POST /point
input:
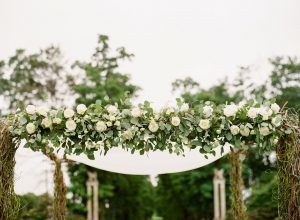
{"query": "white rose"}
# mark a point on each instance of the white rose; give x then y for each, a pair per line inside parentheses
(81, 108)
(46, 122)
(265, 113)
(275, 141)
(112, 109)
(169, 111)
(42, 110)
(71, 125)
(57, 121)
(136, 112)
(153, 126)
(204, 124)
(117, 123)
(252, 112)
(30, 128)
(68, 113)
(230, 110)
(218, 131)
(175, 121)
(184, 108)
(234, 129)
(127, 135)
(30, 109)
(101, 126)
(275, 108)
(245, 131)
(276, 121)
(207, 111)
(264, 131)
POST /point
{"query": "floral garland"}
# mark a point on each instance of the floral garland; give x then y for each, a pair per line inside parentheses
(203, 125)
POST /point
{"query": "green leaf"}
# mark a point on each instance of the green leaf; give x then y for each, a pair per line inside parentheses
(228, 136)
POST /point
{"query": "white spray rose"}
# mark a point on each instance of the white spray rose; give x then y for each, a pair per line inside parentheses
(136, 112)
(112, 118)
(71, 125)
(275, 141)
(241, 104)
(184, 108)
(245, 131)
(30, 109)
(207, 111)
(265, 113)
(175, 121)
(68, 113)
(234, 129)
(275, 108)
(127, 135)
(204, 124)
(57, 121)
(230, 110)
(112, 109)
(30, 128)
(109, 124)
(46, 122)
(100, 126)
(81, 108)
(218, 131)
(252, 112)
(42, 110)
(264, 131)
(153, 126)
(169, 111)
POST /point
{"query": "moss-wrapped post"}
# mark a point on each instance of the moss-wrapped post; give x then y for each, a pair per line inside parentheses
(60, 190)
(9, 203)
(288, 162)
(238, 210)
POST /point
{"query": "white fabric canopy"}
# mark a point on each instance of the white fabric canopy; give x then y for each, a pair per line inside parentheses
(159, 162)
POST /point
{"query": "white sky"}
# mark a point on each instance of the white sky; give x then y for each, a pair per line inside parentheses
(171, 39)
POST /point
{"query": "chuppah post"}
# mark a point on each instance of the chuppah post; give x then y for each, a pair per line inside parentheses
(9, 203)
(238, 210)
(60, 190)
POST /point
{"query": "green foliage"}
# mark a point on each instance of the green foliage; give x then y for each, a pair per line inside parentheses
(101, 77)
(121, 196)
(27, 79)
(262, 204)
(285, 79)
(189, 195)
(34, 207)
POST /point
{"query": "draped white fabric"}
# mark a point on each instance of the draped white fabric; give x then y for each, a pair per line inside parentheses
(120, 161)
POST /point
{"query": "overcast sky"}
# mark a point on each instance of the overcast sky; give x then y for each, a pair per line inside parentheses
(171, 39)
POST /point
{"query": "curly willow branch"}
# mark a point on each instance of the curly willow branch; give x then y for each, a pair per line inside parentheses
(60, 190)
(9, 203)
(288, 156)
(238, 209)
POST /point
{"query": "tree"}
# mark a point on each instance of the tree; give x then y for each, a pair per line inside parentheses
(102, 81)
(34, 78)
(34, 207)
